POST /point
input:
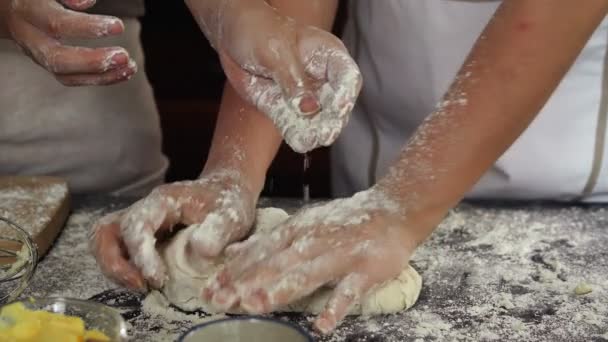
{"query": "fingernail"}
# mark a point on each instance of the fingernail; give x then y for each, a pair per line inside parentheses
(118, 58)
(114, 26)
(307, 103)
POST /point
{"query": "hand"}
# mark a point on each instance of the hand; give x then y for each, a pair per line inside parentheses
(124, 243)
(356, 243)
(38, 27)
(300, 76)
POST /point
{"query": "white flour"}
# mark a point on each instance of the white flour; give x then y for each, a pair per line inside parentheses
(304, 133)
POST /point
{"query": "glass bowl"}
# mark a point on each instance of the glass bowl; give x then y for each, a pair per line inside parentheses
(95, 315)
(250, 329)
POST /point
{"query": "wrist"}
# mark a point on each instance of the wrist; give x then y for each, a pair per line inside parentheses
(420, 211)
(237, 173)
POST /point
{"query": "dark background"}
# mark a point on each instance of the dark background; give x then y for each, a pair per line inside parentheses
(188, 80)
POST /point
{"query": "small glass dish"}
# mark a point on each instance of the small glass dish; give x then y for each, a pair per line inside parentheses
(95, 315)
(250, 329)
(18, 260)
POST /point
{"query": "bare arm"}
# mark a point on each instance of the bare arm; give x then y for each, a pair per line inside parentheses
(241, 127)
(515, 66)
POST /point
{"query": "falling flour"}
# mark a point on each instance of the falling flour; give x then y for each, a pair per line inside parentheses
(186, 281)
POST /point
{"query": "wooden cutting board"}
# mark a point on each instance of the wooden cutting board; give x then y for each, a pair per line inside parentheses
(40, 205)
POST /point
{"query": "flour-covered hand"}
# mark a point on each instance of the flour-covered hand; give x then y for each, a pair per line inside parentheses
(220, 205)
(302, 77)
(353, 244)
(40, 28)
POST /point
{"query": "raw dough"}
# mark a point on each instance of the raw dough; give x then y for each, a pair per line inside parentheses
(186, 281)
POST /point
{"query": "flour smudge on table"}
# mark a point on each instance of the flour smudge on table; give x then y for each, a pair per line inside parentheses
(491, 273)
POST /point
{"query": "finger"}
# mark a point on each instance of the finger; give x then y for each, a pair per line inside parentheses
(302, 140)
(263, 246)
(139, 227)
(57, 21)
(288, 71)
(345, 78)
(294, 284)
(61, 59)
(348, 293)
(65, 60)
(209, 238)
(333, 63)
(258, 247)
(79, 5)
(112, 258)
(329, 128)
(301, 251)
(108, 78)
(268, 273)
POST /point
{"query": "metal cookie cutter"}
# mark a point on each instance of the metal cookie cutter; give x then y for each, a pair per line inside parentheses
(18, 260)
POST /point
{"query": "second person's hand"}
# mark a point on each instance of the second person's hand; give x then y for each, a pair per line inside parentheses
(40, 28)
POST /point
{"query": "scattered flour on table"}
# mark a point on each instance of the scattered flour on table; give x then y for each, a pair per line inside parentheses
(490, 275)
(69, 269)
(166, 321)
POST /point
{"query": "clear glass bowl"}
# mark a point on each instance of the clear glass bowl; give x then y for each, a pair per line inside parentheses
(95, 315)
(18, 260)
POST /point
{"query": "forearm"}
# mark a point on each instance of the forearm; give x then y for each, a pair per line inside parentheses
(208, 14)
(244, 140)
(511, 72)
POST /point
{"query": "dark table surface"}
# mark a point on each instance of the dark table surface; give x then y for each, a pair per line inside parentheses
(491, 272)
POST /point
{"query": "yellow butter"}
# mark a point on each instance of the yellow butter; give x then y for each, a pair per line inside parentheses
(20, 324)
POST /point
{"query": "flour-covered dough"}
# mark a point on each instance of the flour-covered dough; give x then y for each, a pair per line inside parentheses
(187, 280)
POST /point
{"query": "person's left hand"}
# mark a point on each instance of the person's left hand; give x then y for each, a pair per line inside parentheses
(354, 243)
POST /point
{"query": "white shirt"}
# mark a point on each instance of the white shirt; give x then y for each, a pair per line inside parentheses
(409, 52)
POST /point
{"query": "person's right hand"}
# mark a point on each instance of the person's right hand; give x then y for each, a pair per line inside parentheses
(39, 27)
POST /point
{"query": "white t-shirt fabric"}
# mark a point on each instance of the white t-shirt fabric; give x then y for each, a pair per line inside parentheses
(101, 139)
(409, 52)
